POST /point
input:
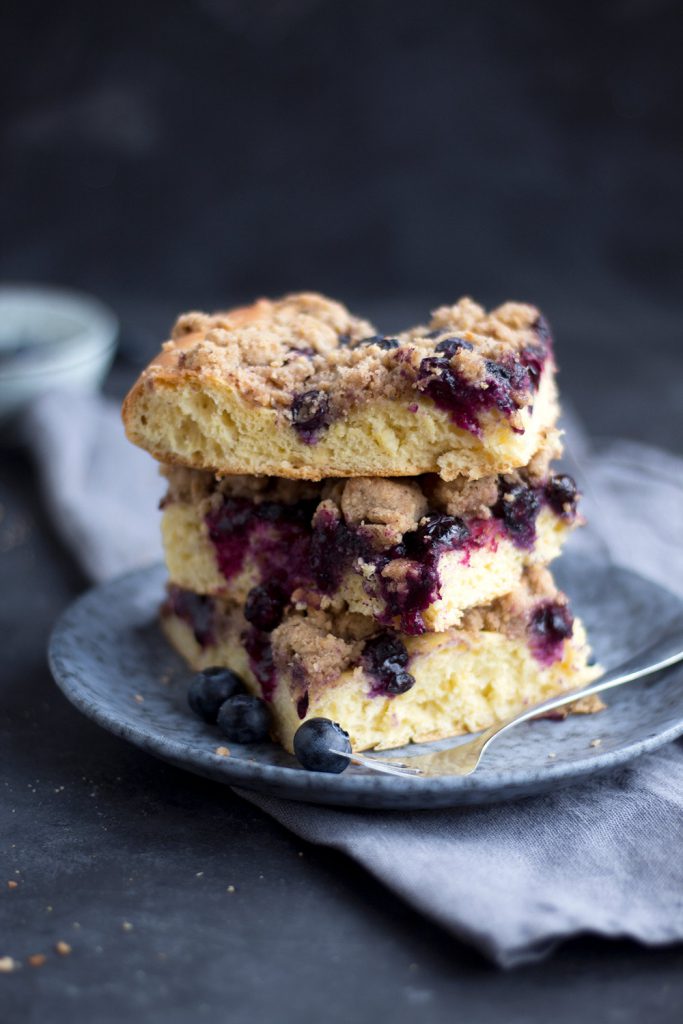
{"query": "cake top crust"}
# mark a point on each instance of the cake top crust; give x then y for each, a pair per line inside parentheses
(309, 356)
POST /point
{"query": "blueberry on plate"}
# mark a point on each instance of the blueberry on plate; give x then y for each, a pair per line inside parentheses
(316, 743)
(244, 719)
(211, 688)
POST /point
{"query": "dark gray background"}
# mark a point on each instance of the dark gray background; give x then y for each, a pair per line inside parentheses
(196, 154)
(395, 155)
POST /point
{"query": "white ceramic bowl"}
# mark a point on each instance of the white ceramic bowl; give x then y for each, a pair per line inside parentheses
(51, 338)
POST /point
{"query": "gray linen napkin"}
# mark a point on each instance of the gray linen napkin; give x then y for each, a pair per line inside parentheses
(511, 879)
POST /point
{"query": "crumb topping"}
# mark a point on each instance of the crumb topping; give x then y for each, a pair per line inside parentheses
(286, 354)
(550, 449)
(461, 497)
(314, 654)
(199, 487)
(397, 505)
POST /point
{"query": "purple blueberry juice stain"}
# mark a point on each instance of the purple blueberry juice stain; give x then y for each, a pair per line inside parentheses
(260, 652)
(334, 549)
(550, 625)
(229, 528)
(465, 400)
(419, 588)
(274, 535)
(385, 659)
(197, 610)
(302, 705)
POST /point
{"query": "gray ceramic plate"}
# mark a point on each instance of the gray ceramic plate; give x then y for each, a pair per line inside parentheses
(110, 659)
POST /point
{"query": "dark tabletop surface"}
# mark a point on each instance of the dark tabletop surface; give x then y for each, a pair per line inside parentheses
(129, 860)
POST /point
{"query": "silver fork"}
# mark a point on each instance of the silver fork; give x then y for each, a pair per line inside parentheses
(464, 758)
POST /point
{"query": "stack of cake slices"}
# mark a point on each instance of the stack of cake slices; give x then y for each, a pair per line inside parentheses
(360, 525)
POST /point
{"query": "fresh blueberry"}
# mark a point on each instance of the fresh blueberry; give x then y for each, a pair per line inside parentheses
(244, 719)
(315, 743)
(380, 341)
(264, 606)
(211, 688)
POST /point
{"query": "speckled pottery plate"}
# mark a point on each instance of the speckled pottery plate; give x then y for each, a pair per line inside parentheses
(110, 659)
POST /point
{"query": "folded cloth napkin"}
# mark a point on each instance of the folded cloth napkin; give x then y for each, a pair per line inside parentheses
(511, 879)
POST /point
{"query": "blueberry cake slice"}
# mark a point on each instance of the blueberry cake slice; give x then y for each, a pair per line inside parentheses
(388, 689)
(413, 554)
(300, 388)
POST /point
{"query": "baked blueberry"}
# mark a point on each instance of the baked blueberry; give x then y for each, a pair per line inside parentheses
(553, 622)
(518, 507)
(264, 606)
(316, 743)
(385, 657)
(440, 530)
(449, 346)
(211, 688)
(397, 682)
(542, 329)
(380, 341)
(310, 414)
(561, 494)
(244, 719)
(232, 517)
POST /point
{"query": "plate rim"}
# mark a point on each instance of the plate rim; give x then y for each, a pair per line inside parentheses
(315, 786)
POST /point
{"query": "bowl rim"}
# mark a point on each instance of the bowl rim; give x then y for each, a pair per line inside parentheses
(99, 355)
(100, 326)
